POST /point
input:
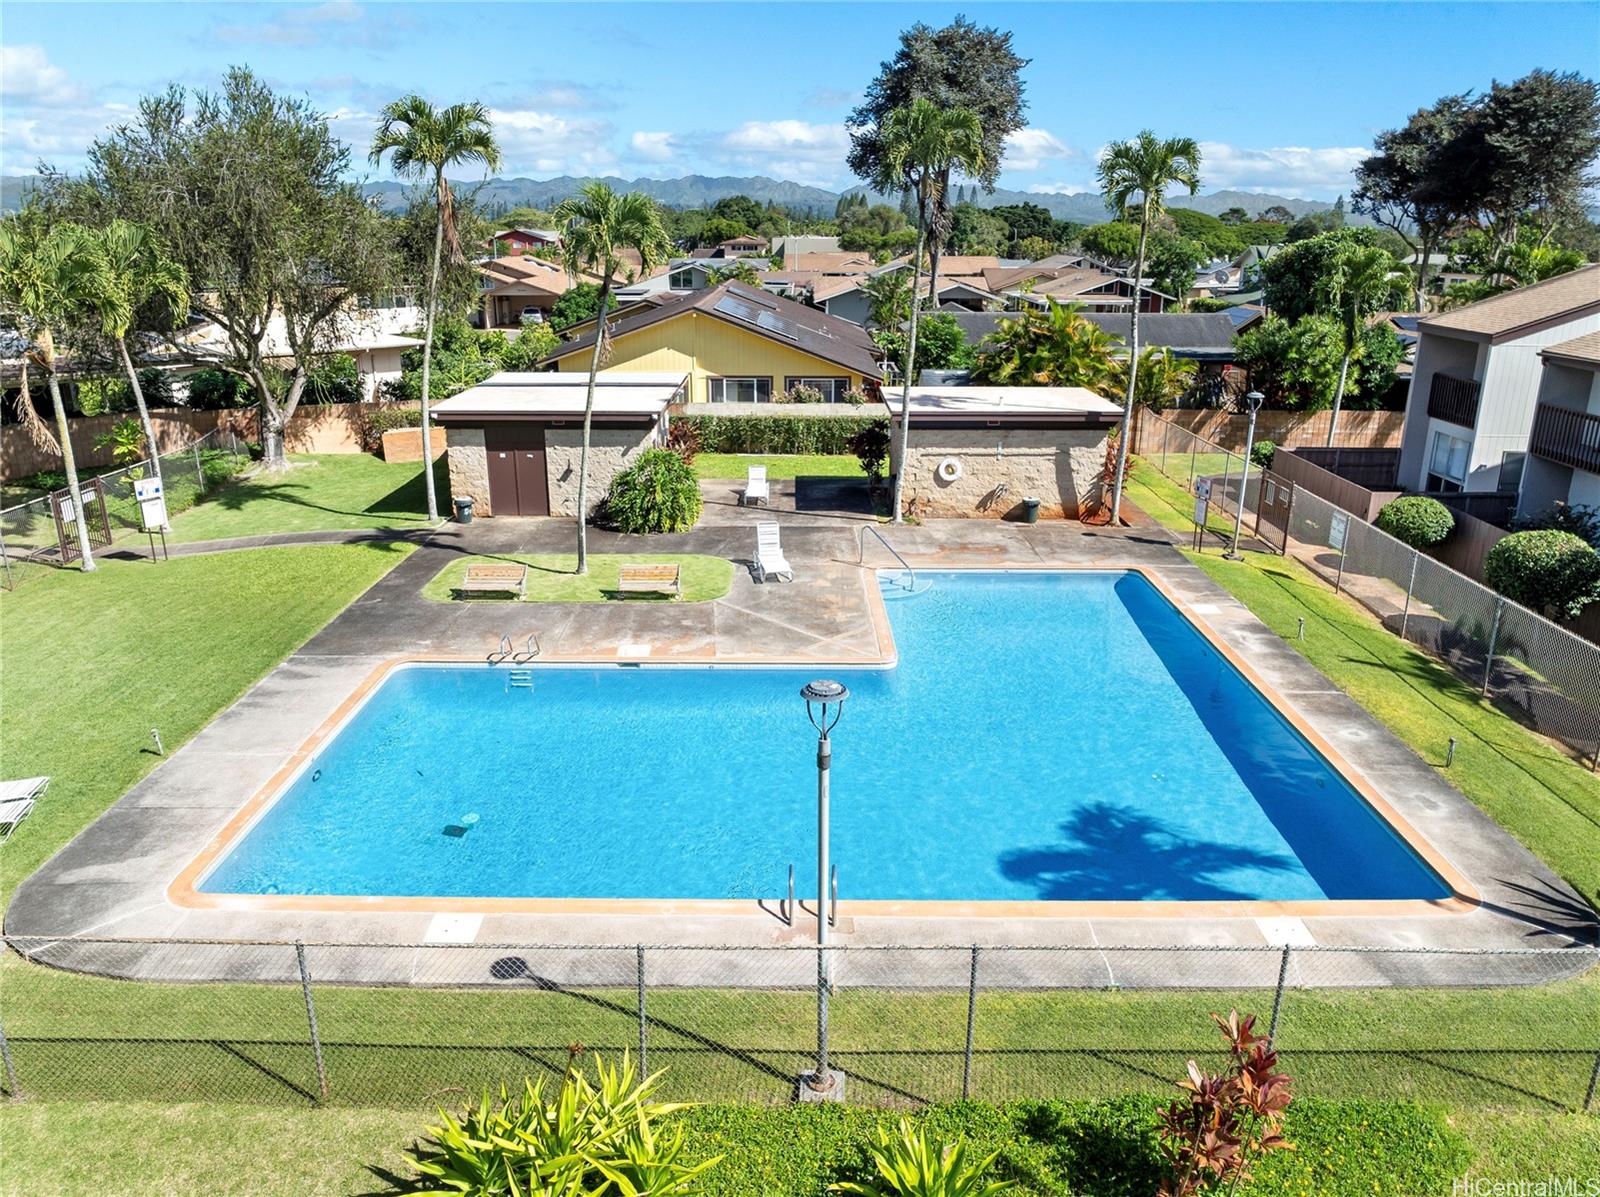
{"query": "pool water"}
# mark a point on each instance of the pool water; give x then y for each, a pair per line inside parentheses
(1045, 735)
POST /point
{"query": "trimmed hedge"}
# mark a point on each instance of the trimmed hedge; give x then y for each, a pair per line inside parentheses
(1545, 569)
(1417, 520)
(774, 434)
(1090, 1149)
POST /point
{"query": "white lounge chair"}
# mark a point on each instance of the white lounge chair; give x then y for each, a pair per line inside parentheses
(770, 561)
(755, 486)
(17, 799)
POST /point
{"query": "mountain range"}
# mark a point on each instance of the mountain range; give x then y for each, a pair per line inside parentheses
(694, 191)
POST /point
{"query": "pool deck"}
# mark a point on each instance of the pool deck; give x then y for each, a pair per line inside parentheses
(114, 878)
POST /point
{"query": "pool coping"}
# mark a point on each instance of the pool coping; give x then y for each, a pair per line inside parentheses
(1463, 898)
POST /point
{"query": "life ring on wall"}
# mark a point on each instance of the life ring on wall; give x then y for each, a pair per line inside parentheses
(948, 470)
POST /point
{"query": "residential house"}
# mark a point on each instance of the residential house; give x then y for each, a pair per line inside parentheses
(523, 241)
(804, 243)
(1216, 278)
(832, 263)
(1563, 464)
(843, 296)
(514, 441)
(1205, 337)
(1093, 289)
(517, 287)
(735, 247)
(737, 344)
(1476, 386)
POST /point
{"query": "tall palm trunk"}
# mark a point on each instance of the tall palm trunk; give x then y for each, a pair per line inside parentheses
(427, 347)
(144, 413)
(1126, 431)
(588, 421)
(936, 243)
(1338, 394)
(1422, 274)
(69, 460)
(905, 388)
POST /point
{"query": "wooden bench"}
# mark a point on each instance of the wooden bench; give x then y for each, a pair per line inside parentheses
(649, 579)
(495, 579)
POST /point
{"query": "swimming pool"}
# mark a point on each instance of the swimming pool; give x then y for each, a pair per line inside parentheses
(1045, 735)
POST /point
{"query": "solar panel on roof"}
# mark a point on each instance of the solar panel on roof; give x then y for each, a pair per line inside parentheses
(737, 308)
(1409, 323)
(773, 322)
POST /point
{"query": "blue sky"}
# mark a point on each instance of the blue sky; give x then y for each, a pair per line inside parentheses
(1284, 97)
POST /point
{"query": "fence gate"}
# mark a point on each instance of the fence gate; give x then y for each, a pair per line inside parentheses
(96, 520)
(1274, 503)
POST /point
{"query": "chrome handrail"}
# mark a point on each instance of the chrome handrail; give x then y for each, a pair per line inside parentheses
(861, 551)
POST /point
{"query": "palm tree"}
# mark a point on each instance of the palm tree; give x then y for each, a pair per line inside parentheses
(922, 144)
(425, 141)
(47, 275)
(137, 273)
(1144, 167)
(597, 224)
(1357, 285)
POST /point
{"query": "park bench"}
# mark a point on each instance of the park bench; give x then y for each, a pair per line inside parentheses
(495, 579)
(649, 579)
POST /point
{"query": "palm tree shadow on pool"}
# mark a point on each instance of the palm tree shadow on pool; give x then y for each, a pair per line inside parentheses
(1115, 853)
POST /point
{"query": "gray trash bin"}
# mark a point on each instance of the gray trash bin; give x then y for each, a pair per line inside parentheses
(1030, 511)
(464, 510)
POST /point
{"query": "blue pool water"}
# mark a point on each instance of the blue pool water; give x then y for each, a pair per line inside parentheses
(1063, 736)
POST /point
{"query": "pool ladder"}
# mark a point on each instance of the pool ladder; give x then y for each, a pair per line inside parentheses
(506, 653)
(787, 907)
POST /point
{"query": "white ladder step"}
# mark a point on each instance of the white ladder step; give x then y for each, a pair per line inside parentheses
(522, 678)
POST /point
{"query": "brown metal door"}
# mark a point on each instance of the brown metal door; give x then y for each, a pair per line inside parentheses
(500, 445)
(533, 484)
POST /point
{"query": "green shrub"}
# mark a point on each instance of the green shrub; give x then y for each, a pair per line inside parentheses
(1578, 518)
(217, 390)
(871, 447)
(1546, 569)
(776, 434)
(533, 343)
(334, 379)
(657, 493)
(912, 1162)
(1417, 520)
(1262, 453)
(125, 440)
(386, 419)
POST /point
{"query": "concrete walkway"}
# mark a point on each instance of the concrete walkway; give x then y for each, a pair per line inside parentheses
(112, 880)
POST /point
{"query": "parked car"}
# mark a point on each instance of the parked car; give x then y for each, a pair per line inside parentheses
(532, 315)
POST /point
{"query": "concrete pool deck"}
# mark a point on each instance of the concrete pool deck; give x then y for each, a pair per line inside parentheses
(113, 880)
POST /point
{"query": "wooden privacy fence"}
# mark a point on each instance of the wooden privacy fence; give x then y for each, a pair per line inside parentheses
(1293, 429)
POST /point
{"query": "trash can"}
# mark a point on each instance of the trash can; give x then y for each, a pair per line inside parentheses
(464, 510)
(1030, 511)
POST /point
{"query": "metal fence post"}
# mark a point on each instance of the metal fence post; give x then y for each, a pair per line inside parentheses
(1494, 639)
(1588, 1098)
(644, 1069)
(972, 1016)
(311, 1017)
(1277, 998)
(16, 1093)
(199, 472)
(1405, 613)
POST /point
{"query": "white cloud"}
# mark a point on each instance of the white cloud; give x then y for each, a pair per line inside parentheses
(654, 147)
(792, 149)
(306, 25)
(27, 76)
(543, 143)
(1028, 149)
(1296, 171)
(1058, 189)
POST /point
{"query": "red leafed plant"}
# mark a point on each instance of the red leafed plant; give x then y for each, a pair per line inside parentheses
(1211, 1138)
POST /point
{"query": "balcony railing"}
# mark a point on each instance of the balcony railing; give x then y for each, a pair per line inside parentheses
(1566, 437)
(1454, 400)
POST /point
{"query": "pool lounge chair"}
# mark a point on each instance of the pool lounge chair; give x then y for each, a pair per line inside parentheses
(770, 561)
(17, 799)
(755, 487)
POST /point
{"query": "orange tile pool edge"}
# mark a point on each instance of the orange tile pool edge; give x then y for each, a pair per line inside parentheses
(1462, 899)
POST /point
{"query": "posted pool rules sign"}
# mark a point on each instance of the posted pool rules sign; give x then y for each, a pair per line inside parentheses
(152, 505)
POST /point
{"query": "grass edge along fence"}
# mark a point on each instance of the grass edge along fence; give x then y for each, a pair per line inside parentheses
(1543, 675)
(28, 533)
(410, 1024)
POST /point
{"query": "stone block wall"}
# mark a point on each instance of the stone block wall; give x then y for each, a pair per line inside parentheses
(610, 451)
(1000, 467)
(469, 467)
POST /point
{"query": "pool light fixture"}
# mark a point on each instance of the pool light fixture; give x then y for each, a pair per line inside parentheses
(824, 704)
(1254, 400)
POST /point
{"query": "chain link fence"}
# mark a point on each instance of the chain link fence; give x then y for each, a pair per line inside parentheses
(1188, 459)
(415, 1025)
(28, 534)
(1545, 674)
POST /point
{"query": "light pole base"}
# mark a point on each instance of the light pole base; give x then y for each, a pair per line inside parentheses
(832, 1090)
(1233, 555)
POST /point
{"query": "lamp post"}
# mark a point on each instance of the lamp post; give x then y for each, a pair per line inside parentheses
(824, 704)
(1254, 399)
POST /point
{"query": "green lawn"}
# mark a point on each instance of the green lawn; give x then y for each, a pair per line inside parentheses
(779, 465)
(89, 663)
(320, 493)
(551, 578)
(1526, 784)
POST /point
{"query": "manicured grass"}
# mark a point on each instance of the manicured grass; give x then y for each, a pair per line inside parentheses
(779, 465)
(89, 663)
(1532, 789)
(551, 578)
(320, 493)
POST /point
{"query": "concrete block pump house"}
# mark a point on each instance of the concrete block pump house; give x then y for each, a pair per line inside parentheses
(515, 440)
(736, 344)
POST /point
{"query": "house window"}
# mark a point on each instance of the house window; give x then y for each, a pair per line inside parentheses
(681, 280)
(740, 390)
(1447, 463)
(832, 389)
